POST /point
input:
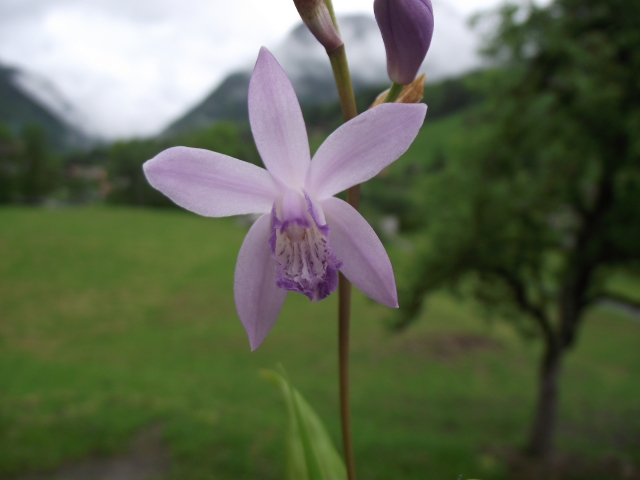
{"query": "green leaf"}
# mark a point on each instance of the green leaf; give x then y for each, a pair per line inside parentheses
(310, 451)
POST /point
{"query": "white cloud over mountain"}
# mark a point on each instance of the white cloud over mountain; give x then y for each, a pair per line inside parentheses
(130, 67)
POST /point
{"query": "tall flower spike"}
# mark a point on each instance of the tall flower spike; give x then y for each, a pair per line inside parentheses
(304, 235)
(407, 28)
(316, 17)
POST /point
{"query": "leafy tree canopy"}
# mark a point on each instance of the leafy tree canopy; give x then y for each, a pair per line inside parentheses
(545, 203)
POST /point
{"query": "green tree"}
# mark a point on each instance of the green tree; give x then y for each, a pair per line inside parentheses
(223, 137)
(546, 204)
(38, 173)
(8, 164)
(125, 159)
(124, 164)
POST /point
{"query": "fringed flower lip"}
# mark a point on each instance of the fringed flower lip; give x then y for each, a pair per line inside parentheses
(305, 235)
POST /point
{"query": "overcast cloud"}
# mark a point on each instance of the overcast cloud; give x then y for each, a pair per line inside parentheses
(132, 66)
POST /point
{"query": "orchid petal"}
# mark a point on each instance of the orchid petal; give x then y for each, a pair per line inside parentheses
(258, 299)
(360, 148)
(276, 122)
(210, 183)
(365, 261)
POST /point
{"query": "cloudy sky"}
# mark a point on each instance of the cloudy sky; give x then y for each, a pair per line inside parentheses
(131, 66)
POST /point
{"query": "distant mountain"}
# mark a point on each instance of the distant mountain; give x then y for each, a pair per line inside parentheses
(227, 102)
(27, 99)
(453, 52)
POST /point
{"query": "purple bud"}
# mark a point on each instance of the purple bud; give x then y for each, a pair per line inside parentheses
(316, 17)
(407, 28)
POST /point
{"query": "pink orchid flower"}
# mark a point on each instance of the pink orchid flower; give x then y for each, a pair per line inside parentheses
(305, 234)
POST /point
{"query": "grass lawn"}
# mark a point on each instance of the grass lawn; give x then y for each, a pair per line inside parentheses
(115, 319)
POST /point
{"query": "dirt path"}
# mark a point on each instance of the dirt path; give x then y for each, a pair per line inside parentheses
(146, 459)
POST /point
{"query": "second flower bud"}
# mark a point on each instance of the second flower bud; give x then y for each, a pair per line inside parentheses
(407, 28)
(316, 17)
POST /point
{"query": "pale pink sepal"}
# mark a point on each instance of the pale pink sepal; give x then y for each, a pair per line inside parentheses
(365, 261)
(210, 183)
(276, 122)
(258, 299)
(360, 148)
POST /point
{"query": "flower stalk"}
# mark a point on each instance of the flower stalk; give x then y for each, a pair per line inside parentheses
(411, 93)
(393, 93)
(340, 67)
(342, 77)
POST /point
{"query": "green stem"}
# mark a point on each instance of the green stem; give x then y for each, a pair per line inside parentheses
(342, 77)
(344, 306)
(329, 5)
(394, 91)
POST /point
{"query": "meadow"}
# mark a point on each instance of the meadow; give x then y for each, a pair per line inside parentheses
(116, 320)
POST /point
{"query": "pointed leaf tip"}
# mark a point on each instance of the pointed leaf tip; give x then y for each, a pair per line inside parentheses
(311, 454)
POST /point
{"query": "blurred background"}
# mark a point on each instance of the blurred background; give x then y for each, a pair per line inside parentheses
(513, 225)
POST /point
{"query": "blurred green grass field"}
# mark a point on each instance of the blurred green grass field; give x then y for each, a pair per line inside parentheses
(114, 319)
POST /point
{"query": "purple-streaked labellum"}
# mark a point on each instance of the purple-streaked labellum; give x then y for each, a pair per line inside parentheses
(407, 28)
(300, 246)
(316, 17)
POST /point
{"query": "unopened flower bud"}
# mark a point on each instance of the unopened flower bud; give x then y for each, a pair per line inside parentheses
(411, 93)
(316, 17)
(407, 28)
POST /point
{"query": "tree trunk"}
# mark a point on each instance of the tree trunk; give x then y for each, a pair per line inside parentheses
(544, 423)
